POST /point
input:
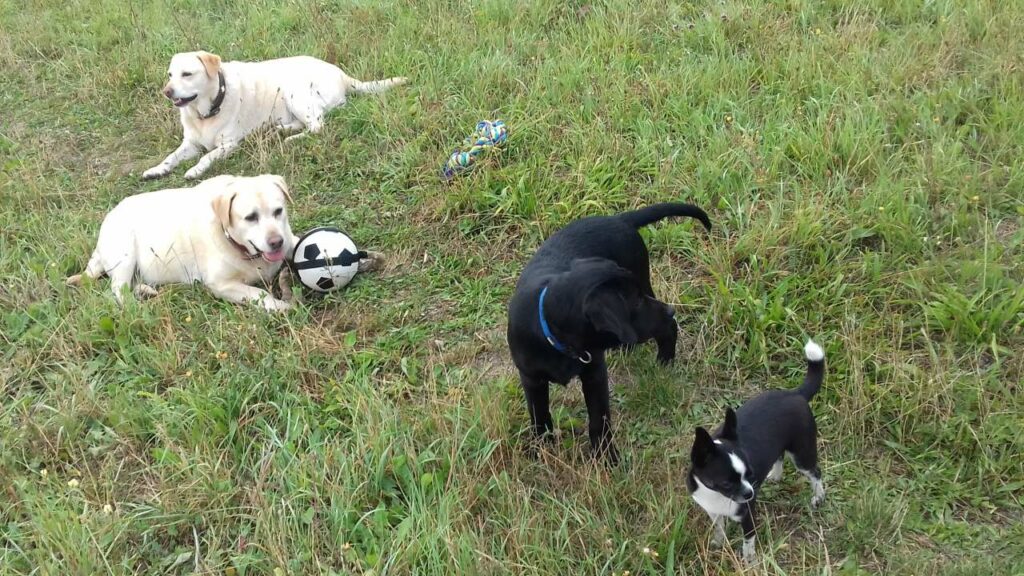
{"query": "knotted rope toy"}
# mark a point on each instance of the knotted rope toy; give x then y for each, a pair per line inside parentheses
(488, 135)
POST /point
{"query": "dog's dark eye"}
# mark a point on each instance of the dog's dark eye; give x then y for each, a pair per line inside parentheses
(252, 217)
(186, 74)
(278, 212)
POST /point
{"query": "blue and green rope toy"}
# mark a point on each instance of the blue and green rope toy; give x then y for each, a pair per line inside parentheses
(488, 135)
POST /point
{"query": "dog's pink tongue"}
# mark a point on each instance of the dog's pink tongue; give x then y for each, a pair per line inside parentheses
(275, 256)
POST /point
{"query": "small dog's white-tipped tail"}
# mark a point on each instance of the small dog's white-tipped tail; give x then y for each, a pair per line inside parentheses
(815, 370)
(377, 86)
(813, 352)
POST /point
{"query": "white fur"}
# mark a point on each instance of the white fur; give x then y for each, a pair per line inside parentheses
(813, 352)
(288, 93)
(737, 464)
(718, 537)
(817, 488)
(715, 503)
(776, 472)
(750, 550)
(177, 236)
(741, 468)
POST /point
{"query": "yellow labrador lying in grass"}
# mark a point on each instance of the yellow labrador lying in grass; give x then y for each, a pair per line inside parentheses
(228, 232)
(222, 102)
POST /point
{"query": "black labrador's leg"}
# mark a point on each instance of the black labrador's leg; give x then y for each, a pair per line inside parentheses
(536, 392)
(749, 533)
(595, 391)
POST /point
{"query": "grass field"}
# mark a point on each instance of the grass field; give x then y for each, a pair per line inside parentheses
(861, 162)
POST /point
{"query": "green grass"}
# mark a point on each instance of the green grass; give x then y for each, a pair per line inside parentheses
(861, 162)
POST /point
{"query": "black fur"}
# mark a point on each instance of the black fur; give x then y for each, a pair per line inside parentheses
(597, 273)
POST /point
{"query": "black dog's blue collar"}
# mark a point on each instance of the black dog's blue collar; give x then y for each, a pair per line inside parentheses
(551, 337)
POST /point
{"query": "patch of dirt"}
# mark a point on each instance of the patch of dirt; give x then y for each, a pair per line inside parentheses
(487, 355)
(1007, 229)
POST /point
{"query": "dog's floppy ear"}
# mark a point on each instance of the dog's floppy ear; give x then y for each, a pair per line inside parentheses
(222, 207)
(606, 287)
(729, 428)
(211, 63)
(703, 446)
(607, 311)
(282, 186)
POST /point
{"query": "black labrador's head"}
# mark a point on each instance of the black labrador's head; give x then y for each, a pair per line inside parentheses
(615, 308)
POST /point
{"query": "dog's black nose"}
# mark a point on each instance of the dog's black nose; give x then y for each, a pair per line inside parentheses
(275, 243)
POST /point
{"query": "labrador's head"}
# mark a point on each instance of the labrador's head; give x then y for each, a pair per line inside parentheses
(190, 75)
(254, 214)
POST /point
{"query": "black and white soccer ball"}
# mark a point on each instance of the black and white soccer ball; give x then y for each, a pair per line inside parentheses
(326, 259)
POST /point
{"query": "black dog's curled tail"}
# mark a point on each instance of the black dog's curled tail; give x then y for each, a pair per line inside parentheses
(655, 212)
(815, 370)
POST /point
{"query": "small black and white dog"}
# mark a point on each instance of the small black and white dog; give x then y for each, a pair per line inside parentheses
(728, 468)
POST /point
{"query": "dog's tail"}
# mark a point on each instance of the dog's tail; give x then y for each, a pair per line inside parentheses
(815, 370)
(655, 212)
(376, 86)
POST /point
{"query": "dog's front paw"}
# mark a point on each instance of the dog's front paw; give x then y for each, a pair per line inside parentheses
(612, 455)
(155, 172)
(144, 292)
(750, 551)
(373, 261)
(284, 285)
(607, 452)
(817, 499)
(193, 173)
(817, 489)
(539, 442)
(275, 305)
(718, 537)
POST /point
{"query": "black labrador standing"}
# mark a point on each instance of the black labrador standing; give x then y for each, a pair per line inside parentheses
(586, 290)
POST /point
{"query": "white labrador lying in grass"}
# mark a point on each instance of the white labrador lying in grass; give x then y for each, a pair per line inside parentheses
(228, 232)
(222, 102)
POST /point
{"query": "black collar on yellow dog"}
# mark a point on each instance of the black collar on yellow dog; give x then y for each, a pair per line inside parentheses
(215, 108)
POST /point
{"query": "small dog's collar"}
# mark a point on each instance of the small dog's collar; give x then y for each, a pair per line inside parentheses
(215, 108)
(246, 255)
(551, 337)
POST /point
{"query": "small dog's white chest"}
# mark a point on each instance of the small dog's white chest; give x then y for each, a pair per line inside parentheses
(714, 503)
